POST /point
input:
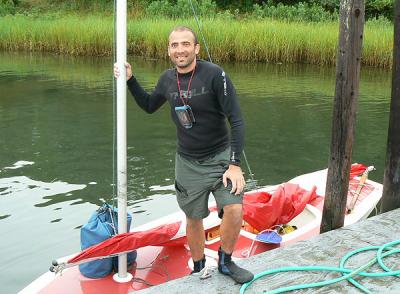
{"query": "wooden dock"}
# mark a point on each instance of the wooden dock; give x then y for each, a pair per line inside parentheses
(323, 250)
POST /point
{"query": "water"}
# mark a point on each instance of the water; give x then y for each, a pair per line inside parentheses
(56, 130)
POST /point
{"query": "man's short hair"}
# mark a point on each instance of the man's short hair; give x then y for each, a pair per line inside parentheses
(182, 29)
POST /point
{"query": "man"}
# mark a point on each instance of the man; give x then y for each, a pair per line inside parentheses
(202, 97)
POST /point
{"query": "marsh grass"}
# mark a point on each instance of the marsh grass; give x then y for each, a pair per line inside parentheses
(229, 40)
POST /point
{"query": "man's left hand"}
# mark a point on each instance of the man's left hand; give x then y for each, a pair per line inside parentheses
(235, 175)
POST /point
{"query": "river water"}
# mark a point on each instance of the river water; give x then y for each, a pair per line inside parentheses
(56, 150)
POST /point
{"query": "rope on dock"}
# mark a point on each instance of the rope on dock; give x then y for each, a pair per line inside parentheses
(347, 274)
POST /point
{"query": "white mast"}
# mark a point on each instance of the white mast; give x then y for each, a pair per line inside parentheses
(122, 275)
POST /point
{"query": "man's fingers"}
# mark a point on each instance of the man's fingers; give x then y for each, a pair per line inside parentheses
(224, 181)
(237, 180)
(240, 188)
(128, 68)
(116, 71)
(234, 186)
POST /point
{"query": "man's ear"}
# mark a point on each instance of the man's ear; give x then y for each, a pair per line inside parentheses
(197, 49)
(169, 53)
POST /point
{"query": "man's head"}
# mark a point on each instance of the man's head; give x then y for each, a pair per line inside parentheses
(183, 48)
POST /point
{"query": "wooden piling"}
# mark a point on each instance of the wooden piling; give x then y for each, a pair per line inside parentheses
(344, 112)
(391, 181)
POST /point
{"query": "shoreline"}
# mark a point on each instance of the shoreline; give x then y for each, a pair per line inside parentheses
(251, 40)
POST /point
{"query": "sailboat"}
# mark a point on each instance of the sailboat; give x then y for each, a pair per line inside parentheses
(274, 216)
(292, 210)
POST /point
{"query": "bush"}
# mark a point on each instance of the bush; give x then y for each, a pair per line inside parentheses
(7, 7)
(374, 9)
(328, 5)
(377, 8)
(291, 10)
(298, 12)
(81, 5)
(380, 21)
(181, 9)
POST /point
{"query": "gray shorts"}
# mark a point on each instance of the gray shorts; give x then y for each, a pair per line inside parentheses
(195, 180)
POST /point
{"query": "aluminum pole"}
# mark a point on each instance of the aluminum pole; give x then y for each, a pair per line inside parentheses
(122, 275)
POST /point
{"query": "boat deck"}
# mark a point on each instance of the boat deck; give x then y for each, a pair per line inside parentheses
(324, 250)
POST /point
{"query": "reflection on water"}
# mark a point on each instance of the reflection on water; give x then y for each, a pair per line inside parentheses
(56, 151)
(19, 164)
(22, 186)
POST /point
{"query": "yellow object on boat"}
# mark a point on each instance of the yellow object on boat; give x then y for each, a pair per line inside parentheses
(286, 229)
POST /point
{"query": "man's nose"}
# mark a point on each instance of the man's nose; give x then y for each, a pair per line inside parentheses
(180, 48)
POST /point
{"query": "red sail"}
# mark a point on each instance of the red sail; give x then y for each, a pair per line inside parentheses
(263, 210)
(356, 170)
(130, 241)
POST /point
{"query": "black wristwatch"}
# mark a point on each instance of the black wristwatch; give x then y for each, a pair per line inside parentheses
(235, 162)
(235, 159)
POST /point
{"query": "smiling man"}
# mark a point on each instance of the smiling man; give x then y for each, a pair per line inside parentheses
(182, 49)
(202, 98)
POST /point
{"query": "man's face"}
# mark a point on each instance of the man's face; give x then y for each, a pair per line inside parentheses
(182, 49)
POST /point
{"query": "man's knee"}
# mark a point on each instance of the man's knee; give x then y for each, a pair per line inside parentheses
(233, 211)
(194, 223)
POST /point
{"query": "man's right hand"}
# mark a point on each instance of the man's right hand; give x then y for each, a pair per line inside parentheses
(128, 71)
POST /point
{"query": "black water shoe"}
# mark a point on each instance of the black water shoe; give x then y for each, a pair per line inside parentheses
(198, 266)
(227, 267)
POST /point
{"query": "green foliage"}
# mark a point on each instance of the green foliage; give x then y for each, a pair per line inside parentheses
(373, 8)
(298, 12)
(242, 5)
(306, 10)
(228, 15)
(157, 8)
(378, 8)
(380, 21)
(181, 8)
(79, 5)
(7, 7)
(328, 5)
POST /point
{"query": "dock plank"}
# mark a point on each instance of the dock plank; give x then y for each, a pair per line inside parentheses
(324, 250)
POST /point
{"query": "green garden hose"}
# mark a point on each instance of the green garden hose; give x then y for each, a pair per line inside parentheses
(347, 274)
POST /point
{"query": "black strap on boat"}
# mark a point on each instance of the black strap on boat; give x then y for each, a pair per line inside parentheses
(252, 183)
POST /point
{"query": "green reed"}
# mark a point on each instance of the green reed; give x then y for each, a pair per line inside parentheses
(229, 40)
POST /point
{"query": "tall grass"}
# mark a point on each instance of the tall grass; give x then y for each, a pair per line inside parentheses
(67, 35)
(229, 40)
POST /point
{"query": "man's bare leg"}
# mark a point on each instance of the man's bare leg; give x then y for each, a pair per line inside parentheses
(195, 237)
(230, 228)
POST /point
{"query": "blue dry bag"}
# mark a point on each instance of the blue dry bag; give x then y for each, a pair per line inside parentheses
(102, 225)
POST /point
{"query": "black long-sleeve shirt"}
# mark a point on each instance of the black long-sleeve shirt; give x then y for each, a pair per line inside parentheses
(212, 98)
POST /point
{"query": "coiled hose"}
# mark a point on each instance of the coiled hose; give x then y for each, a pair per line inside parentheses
(347, 274)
